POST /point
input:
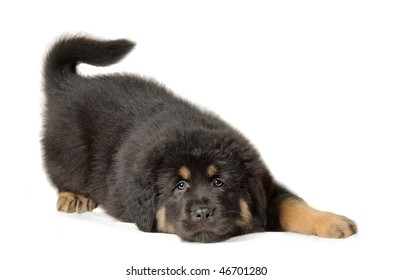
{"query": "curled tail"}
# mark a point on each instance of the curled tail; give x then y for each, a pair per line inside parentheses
(68, 51)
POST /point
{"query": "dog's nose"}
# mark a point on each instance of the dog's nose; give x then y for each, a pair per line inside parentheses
(203, 213)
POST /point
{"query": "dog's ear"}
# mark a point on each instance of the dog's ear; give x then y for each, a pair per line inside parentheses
(258, 204)
(134, 201)
(141, 205)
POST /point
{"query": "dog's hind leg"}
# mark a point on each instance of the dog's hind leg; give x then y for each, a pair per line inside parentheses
(74, 203)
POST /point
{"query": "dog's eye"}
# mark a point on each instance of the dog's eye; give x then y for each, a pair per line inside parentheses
(218, 183)
(181, 185)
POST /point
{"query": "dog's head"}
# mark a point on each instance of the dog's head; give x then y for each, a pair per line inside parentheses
(203, 185)
(209, 187)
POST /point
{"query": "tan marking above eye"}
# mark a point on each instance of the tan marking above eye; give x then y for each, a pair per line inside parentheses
(212, 170)
(185, 173)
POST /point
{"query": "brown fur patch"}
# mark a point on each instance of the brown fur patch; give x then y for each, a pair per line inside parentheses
(162, 224)
(185, 173)
(245, 215)
(74, 203)
(297, 216)
(212, 170)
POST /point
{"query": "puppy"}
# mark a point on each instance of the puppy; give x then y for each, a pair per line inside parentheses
(151, 158)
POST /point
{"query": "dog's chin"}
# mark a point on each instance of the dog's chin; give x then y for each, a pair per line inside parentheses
(206, 234)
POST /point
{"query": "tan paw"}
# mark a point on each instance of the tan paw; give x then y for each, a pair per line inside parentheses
(71, 203)
(330, 225)
(297, 216)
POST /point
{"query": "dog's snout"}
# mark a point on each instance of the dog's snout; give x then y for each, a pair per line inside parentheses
(203, 213)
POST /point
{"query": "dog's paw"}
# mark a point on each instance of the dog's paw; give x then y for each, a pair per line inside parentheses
(74, 203)
(330, 225)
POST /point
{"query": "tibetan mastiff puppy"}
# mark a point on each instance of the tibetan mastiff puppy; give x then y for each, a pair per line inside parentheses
(151, 158)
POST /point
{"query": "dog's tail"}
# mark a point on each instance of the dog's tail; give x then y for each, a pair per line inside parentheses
(62, 59)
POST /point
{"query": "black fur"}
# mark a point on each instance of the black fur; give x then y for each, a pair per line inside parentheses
(121, 139)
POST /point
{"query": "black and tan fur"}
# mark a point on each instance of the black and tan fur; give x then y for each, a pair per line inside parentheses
(149, 157)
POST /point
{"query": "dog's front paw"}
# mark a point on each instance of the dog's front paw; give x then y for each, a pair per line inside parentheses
(71, 203)
(330, 225)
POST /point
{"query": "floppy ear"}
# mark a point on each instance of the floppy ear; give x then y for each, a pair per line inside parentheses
(258, 205)
(141, 205)
(133, 200)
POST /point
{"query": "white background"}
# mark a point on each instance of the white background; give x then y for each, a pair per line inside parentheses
(309, 82)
